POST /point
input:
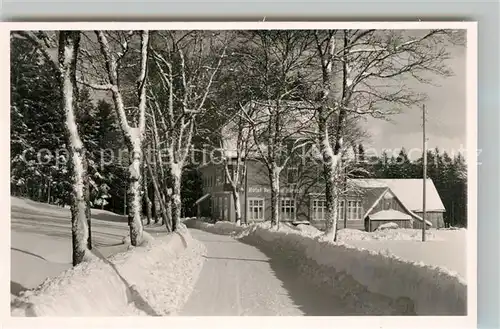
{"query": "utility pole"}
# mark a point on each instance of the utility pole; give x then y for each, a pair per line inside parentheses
(345, 197)
(246, 192)
(424, 175)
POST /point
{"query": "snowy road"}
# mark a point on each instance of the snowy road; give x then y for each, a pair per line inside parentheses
(240, 279)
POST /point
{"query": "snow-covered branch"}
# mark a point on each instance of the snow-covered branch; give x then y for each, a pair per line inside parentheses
(42, 45)
(95, 86)
(210, 80)
(142, 81)
(184, 81)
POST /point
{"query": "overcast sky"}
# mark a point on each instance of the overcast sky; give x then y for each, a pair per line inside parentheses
(446, 111)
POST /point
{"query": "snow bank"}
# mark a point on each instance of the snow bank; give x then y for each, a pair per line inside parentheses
(387, 226)
(225, 228)
(309, 230)
(347, 234)
(376, 280)
(153, 279)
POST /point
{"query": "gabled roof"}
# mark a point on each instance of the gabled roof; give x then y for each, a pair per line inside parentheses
(408, 191)
(390, 214)
(371, 196)
(374, 201)
(202, 198)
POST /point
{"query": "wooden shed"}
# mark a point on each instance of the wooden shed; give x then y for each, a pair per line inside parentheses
(374, 220)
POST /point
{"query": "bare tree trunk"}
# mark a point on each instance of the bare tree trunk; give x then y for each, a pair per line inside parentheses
(134, 203)
(87, 200)
(330, 156)
(154, 210)
(158, 176)
(275, 193)
(68, 49)
(133, 135)
(48, 191)
(176, 195)
(39, 192)
(146, 195)
(125, 202)
(167, 199)
(330, 162)
(331, 196)
(237, 205)
(161, 199)
(234, 181)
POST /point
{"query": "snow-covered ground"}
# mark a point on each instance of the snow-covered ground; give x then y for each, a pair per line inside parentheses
(444, 248)
(242, 279)
(41, 240)
(362, 275)
(153, 279)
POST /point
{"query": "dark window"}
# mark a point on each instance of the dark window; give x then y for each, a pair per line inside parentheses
(292, 175)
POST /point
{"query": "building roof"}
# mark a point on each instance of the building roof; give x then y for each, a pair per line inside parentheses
(390, 214)
(202, 198)
(371, 196)
(408, 191)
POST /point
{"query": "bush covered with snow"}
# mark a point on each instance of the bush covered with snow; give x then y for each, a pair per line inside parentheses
(453, 228)
(377, 280)
(309, 230)
(146, 239)
(387, 226)
(153, 279)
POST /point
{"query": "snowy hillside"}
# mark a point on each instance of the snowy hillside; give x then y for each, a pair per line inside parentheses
(41, 240)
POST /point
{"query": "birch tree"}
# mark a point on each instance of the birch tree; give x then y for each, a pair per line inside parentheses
(132, 126)
(68, 46)
(156, 169)
(367, 72)
(279, 113)
(235, 157)
(80, 211)
(186, 63)
(147, 200)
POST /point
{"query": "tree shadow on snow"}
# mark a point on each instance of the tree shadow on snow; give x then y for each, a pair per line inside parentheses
(133, 295)
(311, 299)
(27, 253)
(109, 217)
(17, 288)
(240, 259)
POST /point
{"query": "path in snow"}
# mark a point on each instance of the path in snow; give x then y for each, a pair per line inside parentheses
(239, 279)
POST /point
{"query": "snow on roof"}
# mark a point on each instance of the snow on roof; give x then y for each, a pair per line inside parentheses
(371, 197)
(390, 214)
(408, 191)
(202, 198)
